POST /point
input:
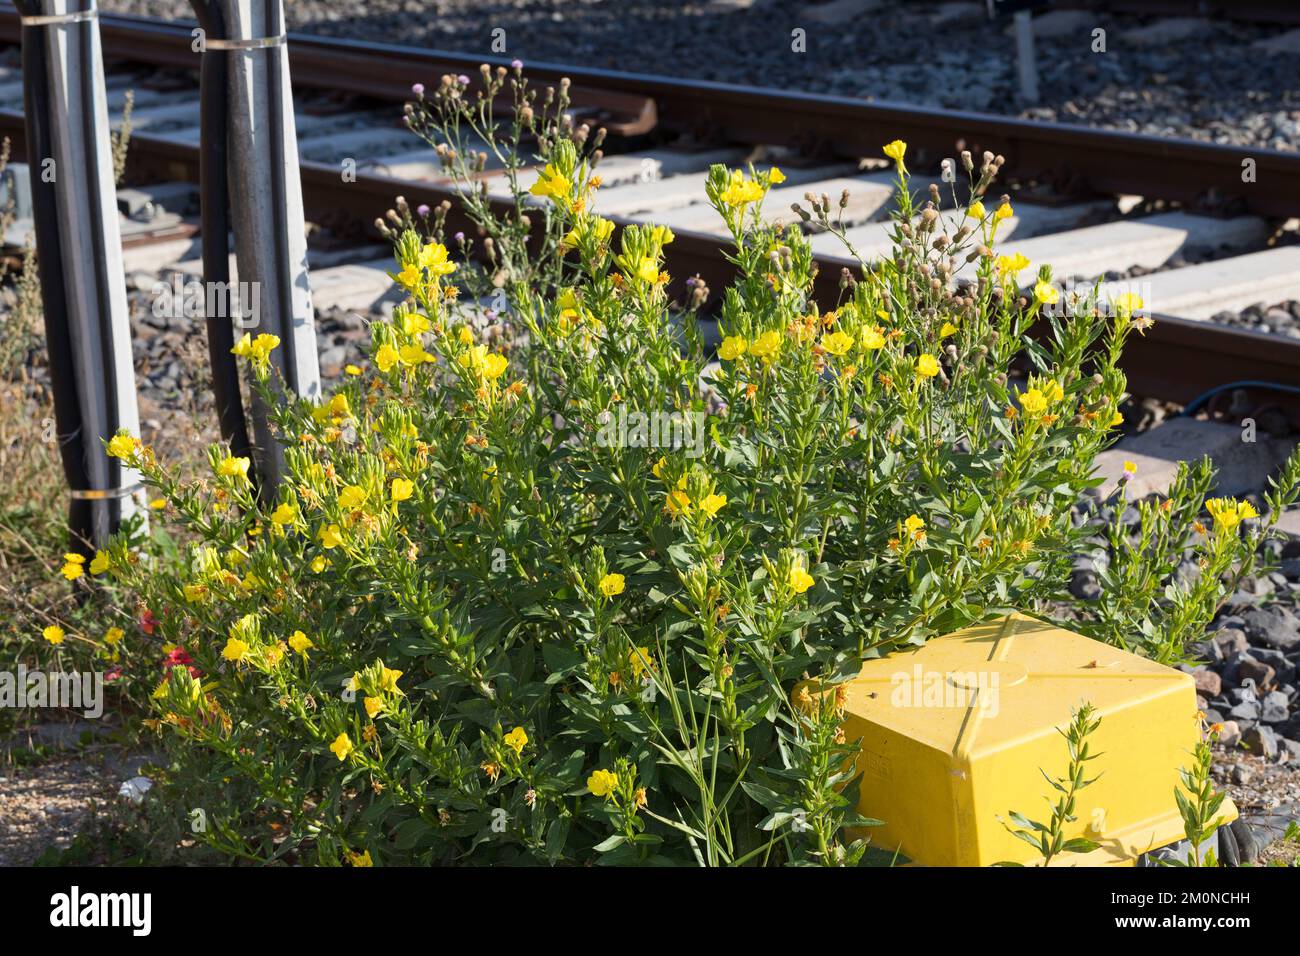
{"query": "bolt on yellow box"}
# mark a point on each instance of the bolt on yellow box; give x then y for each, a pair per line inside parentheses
(953, 735)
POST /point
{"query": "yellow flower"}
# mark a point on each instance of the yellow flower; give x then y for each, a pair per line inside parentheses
(411, 277)
(927, 366)
(1003, 212)
(330, 537)
(339, 405)
(641, 661)
(657, 469)
(342, 746)
(373, 706)
(1126, 303)
(774, 175)
(359, 859)
(434, 258)
(1046, 292)
(895, 151)
(401, 489)
(799, 580)
(386, 357)
(274, 653)
(72, 570)
(837, 343)
(947, 329)
(388, 680)
(516, 740)
(1013, 264)
(352, 497)
(602, 783)
(300, 643)
(1116, 419)
(234, 650)
(1033, 401)
(413, 353)
(100, 563)
(1228, 513)
(54, 634)
(319, 564)
(740, 190)
(712, 504)
(494, 365)
(285, 514)
(113, 635)
(915, 527)
(158, 504)
(611, 585)
(873, 338)
(122, 445)
(351, 369)
(232, 467)
(1130, 468)
(733, 346)
(976, 210)
(766, 346)
(553, 183)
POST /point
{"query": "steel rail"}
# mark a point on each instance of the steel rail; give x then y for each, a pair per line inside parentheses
(1176, 360)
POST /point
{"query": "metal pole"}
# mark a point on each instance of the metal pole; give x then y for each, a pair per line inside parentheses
(80, 254)
(1025, 56)
(266, 205)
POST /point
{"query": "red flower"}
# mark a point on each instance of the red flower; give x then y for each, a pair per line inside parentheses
(112, 675)
(178, 655)
(148, 622)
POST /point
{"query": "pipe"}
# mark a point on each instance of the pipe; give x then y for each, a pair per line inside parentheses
(80, 256)
(215, 225)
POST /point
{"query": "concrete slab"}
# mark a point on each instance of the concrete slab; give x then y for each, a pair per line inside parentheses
(1243, 466)
(1198, 292)
(870, 198)
(1167, 31)
(1149, 242)
(1286, 43)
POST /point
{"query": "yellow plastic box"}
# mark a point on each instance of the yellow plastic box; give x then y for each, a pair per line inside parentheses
(953, 735)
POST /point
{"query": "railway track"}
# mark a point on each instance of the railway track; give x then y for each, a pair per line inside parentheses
(1068, 183)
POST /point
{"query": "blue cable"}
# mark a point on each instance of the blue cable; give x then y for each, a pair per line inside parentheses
(1194, 405)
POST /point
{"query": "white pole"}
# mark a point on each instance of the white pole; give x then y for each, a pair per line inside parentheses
(1025, 56)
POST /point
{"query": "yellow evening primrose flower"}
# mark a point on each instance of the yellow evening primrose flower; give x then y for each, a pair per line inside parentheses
(1005, 211)
(1046, 293)
(411, 277)
(896, 151)
(799, 580)
(351, 369)
(1130, 468)
(1013, 264)
(361, 860)
(494, 366)
(234, 650)
(401, 489)
(54, 634)
(330, 537)
(915, 528)
(1033, 401)
(122, 446)
(551, 182)
(766, 346)
(434, 258)
(413, 353)
(775, 176)
(373, 706)
(233, 467)
(741, 191)
(388, 678)
(300, 643)
(873, 338)
(947, 329)
(927, 366)
(837, 343)
(611, 585)
(158, 504)
(1126, 303)
(352, 497)
(342, 746)
(386, 357)
(319, 564)
(113, 636)
(712, 504)
(516, 740)
(1116, 419)
(602, 783)
(657, 469)
(732, 347)
(976, 210)
(285, 514)
(100, 563)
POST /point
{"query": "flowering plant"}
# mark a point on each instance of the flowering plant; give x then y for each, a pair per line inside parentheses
(494, 614)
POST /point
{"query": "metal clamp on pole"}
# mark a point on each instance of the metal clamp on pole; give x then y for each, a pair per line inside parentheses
(79, 247)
